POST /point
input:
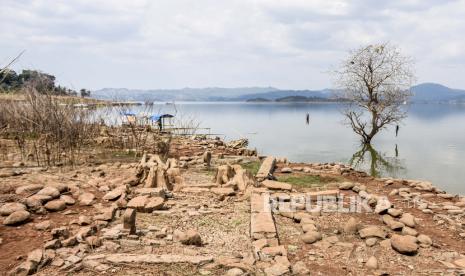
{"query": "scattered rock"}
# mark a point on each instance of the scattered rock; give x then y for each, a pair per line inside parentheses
(17, 217)
(351, 226)
(29, 189)
(189, 237)
(86, 199)
(55, 205)
(11, 207)
(395, 212)
(424, 240)
(68, 199)
(408, 220)
(346, 185)
(49, 191)
(372, 231)
(286, 170)
(382, 205)
(409, 231)
(44, 225)
(404, 244)
(372, 263)
(129, 220)
(311, 237)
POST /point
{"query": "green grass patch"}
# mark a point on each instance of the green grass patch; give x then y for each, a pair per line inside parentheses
(252, 166)
(307, 180)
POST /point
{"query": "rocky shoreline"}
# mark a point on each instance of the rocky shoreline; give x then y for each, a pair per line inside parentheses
(206, 211)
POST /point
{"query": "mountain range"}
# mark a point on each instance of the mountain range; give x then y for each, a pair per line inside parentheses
(422, 93)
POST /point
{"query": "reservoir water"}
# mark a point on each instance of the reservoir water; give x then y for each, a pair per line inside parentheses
(430, 144)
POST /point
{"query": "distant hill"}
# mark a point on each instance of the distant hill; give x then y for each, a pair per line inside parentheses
(185, 94)
(433, 92)
(422, 93)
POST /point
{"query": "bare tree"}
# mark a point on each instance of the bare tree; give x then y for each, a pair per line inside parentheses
(376, 81)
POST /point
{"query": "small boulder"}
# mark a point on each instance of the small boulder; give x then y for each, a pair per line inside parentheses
(372, 231)
(424, 240)
(68, 199)
(29, 189)
(189, 237)
(17, 217)
(86, 199)
(346, 185)
(44, 225)
(311, 237)
(11, 207)
(49, 191)
(351, 226)
(408, 220)
(382, 205)
(286, 170)
(394, 212)
(372, 263)
(404, 244)
(55, 205)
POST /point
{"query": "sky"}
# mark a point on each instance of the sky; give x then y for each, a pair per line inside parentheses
(291, 44)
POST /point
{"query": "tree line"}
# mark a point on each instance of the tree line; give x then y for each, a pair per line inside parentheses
(10, 81)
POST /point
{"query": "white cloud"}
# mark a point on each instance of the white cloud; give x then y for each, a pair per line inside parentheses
(177, 43)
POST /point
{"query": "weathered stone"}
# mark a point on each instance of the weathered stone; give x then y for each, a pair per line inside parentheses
(392, 223)
(44, 225)
(53, 244)
(372, 231)
(189, 237)
(86, 199)
(394, 212)
(93, 241)
(299, 268)
(276, 270)
(275, 185)
(29, 189)
(223, 191)
(262, 224)
(138, 203)
(49, 191)
(17, 217)
(150, 192)
(55, 205)
(11, 207)
(409, 231)
(286, 170)
(382, 205)
(460, 262)
(371, 241)
(404, 244)
(84, 220)
(107, 214)
(60, 232)
(309, 227)
(156, 259)
(351, 226)
(114, 194)
(267, 168)
(372, 263)
(72, 241)
(25, 268)
(154, 203)
(234, 272)
(311, 237)
(408, 220)
(68, 199)
(224, 173)
(424, 240)
(346, 185)
(129, 220)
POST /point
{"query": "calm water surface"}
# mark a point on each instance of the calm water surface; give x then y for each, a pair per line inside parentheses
(430, 145)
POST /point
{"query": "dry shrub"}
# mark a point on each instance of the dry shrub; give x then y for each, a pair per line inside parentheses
(46, 130)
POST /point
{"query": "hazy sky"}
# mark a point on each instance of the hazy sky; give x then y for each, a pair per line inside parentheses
(227, 43)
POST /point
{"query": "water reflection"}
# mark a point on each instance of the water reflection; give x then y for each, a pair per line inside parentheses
(377, 163)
